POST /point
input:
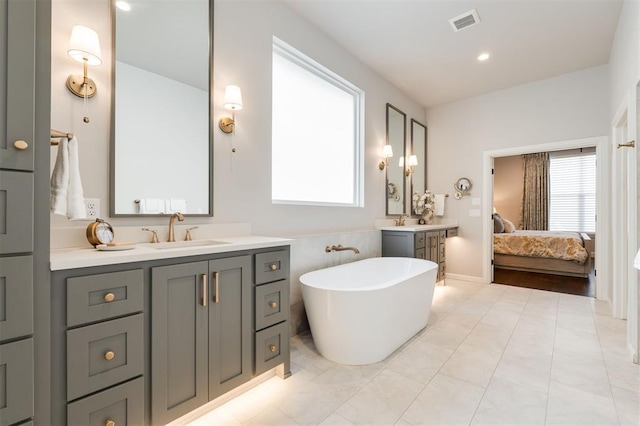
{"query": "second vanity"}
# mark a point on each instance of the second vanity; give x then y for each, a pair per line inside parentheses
(419, 241)
(148, 335)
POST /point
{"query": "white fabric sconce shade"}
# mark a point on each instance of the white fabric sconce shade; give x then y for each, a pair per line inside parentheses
(401, 162)
(84, 45)
(232, 97)
(387, 151)
(412, 161)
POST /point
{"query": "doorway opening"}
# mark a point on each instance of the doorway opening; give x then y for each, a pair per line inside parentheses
(593, 286)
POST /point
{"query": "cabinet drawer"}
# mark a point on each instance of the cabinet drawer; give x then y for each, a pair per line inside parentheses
(452, 232)
(272, 347)
(118, 406)
(16, 381)
(16, 297)
(420, 254)
(271, 266)
(16, 212)
(104, 354)
(99, 297)
(420, 239)
(272, 304)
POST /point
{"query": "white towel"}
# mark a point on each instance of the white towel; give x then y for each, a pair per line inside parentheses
(176, 205)
(67, 198)
(60, 179)
(151, 206)
(439, 208)
(75, 196)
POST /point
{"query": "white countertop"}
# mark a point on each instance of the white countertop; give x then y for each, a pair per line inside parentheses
(416, 228)
(70, 258)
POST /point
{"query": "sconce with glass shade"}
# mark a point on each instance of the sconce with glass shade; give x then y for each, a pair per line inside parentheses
(233, 102)
(387, 152)
(84, 47)
(412, 161)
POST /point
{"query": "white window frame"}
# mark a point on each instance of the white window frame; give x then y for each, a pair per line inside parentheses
(298, 58)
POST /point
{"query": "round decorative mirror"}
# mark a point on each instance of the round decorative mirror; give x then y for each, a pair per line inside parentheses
(462, 186)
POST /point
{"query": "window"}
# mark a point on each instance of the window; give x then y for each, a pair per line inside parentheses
(572, 203)
(317, 133)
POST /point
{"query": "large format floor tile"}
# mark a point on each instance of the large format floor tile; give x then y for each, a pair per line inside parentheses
(491, 355)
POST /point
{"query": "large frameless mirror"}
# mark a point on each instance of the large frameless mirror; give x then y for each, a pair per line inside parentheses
(395, 176)
(161, 159)
(419, 149)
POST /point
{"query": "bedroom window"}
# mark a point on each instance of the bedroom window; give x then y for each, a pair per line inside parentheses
(572, 198)
(317, 133)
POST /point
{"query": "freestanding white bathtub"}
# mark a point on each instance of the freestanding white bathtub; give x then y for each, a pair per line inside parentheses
(360, 312)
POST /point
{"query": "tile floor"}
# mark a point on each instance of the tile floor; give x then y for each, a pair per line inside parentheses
(491, 354)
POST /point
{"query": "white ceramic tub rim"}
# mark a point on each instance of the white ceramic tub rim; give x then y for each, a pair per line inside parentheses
(317, 278)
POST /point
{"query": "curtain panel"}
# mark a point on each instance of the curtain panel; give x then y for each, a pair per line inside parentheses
(535, 193)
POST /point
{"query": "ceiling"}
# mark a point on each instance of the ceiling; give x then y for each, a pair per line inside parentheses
(411, 43)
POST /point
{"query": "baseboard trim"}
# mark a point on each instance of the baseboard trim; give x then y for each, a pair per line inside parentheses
(465, 278)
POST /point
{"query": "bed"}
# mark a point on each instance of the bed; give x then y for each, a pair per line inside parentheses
(549, 252)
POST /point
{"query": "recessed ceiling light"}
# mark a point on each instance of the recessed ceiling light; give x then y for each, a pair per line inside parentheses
(483, 56)
(123, 5)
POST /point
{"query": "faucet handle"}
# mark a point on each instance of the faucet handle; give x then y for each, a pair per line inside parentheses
(187, 236)
(154, 237)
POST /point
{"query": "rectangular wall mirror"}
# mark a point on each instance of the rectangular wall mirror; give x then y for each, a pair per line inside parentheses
(419, 149)
(395, 177)
(161, 144)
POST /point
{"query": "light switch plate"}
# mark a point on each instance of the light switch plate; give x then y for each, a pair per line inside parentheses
(475, 201)
(474, 213)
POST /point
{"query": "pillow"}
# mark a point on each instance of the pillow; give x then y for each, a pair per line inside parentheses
(508, 226)
(498, 224)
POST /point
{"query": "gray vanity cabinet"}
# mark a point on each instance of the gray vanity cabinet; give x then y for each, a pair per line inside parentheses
(201, 333)
(429, 245)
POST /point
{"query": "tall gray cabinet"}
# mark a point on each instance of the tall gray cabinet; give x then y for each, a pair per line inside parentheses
(24, 218)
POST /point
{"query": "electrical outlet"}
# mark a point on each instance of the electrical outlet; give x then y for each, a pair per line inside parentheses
(92, 207)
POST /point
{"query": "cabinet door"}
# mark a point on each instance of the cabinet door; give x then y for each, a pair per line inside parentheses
(16, 381)
(230, 324)
(17, 83)
(16, 297)
(16, 212)
(178, 340)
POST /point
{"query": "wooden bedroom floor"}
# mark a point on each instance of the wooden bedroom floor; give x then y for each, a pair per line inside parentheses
(556, 283)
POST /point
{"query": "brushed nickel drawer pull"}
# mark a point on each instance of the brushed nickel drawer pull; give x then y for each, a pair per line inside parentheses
(20, 145)
(273, 304)
(216, 280)
(273, 348)
(109, 355)
(110, 423)
(204, 290)
(109, 297)
(273, 267)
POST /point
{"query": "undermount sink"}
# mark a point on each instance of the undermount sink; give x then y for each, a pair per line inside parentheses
(180, 244)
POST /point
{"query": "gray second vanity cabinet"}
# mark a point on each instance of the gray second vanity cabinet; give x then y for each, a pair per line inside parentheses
(147, 342)
(429, 245)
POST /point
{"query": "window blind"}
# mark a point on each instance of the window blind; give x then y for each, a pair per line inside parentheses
(572, 198)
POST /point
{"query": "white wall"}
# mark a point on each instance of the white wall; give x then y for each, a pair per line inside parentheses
(567, 107)
(242, 44)
(625, 74)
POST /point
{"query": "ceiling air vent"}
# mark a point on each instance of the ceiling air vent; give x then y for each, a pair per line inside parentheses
(465, 20)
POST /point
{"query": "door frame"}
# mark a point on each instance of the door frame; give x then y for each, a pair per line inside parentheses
(602, 202)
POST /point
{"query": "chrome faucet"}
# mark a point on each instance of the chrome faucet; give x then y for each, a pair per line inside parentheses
(172, 219)
(329, 249)
(400, 222)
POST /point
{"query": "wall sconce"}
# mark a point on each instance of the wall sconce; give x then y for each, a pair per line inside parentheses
(84, 47)
(412, 161)
(387, 152)
(233, 102)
